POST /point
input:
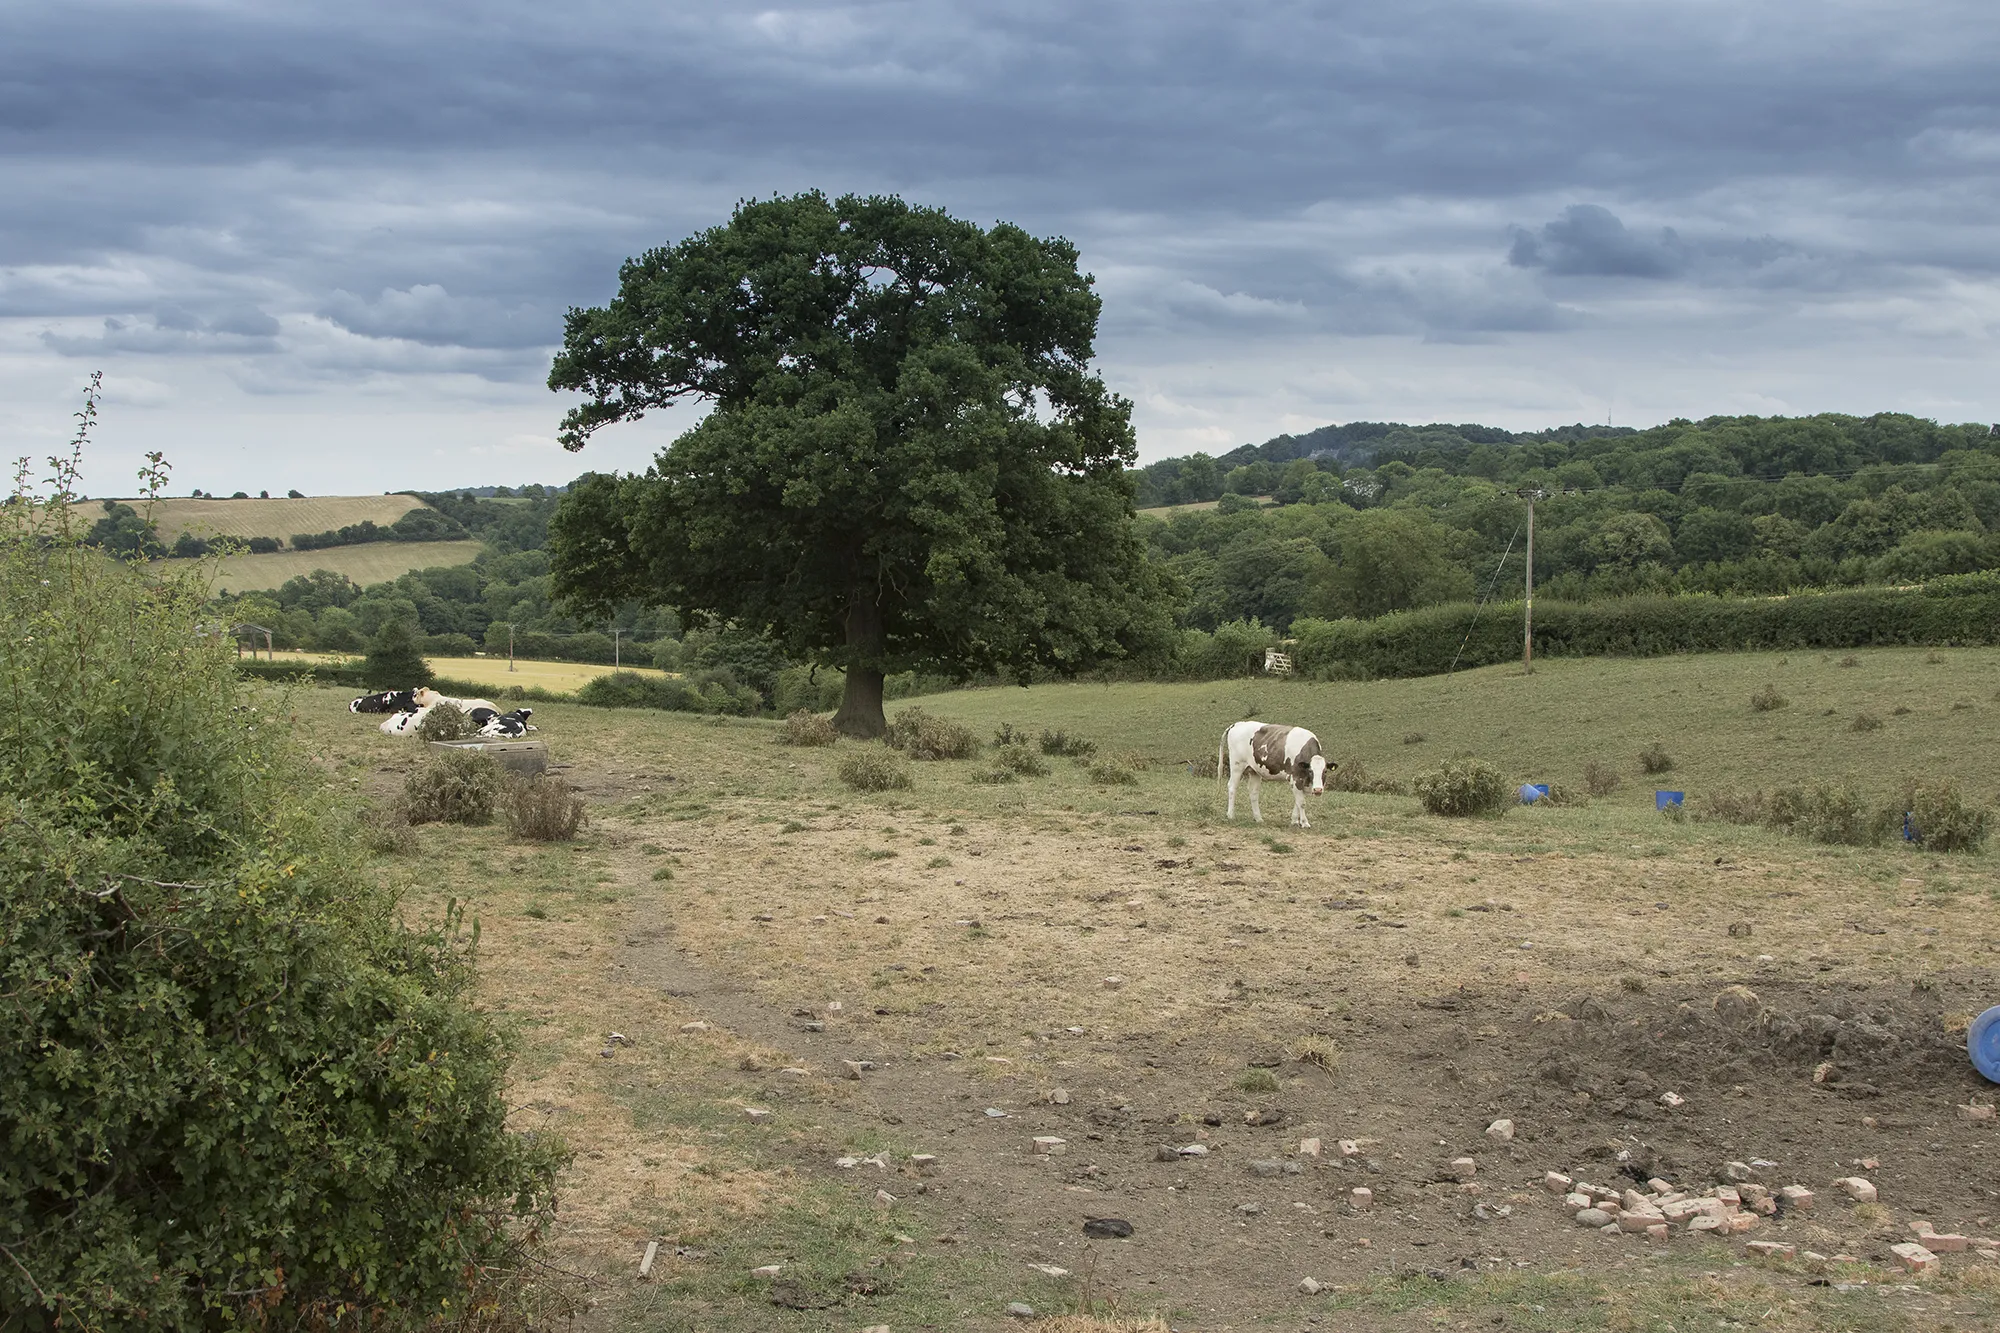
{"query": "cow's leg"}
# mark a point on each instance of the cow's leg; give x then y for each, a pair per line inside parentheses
(1234, 774)
(1256, 788)
(1299, 819)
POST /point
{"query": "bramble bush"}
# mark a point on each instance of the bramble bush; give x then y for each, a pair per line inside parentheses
(543, 809)
(236, 1090)
(456, 787)
(873, 770)
(445, 722)
(1941, 819)
(807, 728)
(1463, 787)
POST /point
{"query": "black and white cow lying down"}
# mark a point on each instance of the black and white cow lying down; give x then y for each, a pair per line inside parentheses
(411, 707)
(1266, 753)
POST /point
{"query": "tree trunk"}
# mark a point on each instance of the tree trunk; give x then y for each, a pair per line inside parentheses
(860, 714)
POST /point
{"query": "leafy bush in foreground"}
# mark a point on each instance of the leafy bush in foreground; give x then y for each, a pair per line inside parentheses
(445, 722)
(543, 809)
(1463, 787)
(235, 1090)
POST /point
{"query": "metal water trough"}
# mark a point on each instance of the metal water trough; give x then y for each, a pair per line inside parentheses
(528, 758)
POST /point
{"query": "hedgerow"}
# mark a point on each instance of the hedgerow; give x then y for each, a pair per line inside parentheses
(235, 1090)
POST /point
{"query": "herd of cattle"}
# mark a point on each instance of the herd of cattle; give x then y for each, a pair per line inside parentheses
(408, 708)
(1258, 751)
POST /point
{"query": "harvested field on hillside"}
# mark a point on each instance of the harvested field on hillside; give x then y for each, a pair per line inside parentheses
(492, 673)
(370, 562)
(275, 518)
(968, 1017)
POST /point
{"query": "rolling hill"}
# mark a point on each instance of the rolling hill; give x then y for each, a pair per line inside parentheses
(368, 563)
(276, 518)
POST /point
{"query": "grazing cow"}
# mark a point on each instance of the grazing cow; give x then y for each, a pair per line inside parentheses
(388, 701)
(1265, 753)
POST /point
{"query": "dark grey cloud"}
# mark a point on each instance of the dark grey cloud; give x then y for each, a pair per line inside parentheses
(393, 202)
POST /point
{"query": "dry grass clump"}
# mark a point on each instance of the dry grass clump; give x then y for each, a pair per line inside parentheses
(872, 770)
(1109, 773)
(995, 777)
(805, 727)
(1768, 700)
(1354, 776)
(1065, 746)
(1865, 722)
(1317, 1049)
(1731, 807)
(455, 787)
(544, 809)
(445, 722)
(1600, 779)
(388, 832)
(1563, 795)
(1655, 759)
(1849, 661)
(920, 735)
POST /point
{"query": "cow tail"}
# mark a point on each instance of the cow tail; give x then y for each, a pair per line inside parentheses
(1222, 761)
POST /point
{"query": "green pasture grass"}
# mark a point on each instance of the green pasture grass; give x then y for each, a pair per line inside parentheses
(370, 562)
(1548, 725)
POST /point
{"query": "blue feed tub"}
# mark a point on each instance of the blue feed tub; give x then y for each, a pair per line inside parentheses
(1663, 799)
(1982, 1043)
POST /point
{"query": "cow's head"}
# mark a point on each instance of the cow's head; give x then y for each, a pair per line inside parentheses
(1311, 767)
(425, 696)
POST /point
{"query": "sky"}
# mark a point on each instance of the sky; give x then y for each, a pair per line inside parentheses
(329, 246)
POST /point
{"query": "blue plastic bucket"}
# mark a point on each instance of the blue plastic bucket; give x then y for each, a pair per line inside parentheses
(1533, 791)
(1982, 1043)
(1663, 799)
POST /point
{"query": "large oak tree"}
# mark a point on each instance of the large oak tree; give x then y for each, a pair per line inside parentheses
(908, 463)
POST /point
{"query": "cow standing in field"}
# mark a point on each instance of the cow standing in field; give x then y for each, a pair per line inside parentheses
(1266, 753)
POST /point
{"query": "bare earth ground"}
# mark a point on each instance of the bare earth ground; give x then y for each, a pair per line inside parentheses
(1119, 969)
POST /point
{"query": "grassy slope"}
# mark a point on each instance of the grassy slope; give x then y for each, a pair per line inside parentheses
(1546, 726)
(276, 518)
(371, 562)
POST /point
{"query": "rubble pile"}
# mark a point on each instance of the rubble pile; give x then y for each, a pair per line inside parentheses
(1662, 1208)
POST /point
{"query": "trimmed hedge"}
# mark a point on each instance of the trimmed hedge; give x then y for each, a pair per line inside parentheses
(1961, 610)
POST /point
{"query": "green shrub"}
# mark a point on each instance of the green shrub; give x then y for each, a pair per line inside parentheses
(1108, 773)
(808, 728)
(1826, 812)
(1940, 818)
(444, 722)
(710, 692)
(1065, 746)
(1257, 1081)
(995, 777)
(455, 787)
(1462, 787)
(873, 770)
(234, 1090)
(1655, 759)
(1768, 700)
(1004, 734)
(920, 735)
(1020, 759)
(543, 809)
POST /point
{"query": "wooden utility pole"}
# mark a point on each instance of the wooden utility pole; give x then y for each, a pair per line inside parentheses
(616, 661)
(1528, 606)
(510, 645)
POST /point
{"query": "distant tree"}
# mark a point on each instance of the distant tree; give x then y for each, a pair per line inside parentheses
(295, 495)
(393, 662)
(1629, 540)
(909, 464)
(1388, 560)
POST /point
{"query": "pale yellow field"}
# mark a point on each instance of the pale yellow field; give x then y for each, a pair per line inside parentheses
(492, 672)
(371, 562)
(275, 518)
(1196, 507)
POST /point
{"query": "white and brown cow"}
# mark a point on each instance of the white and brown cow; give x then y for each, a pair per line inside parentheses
(1264, 753)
